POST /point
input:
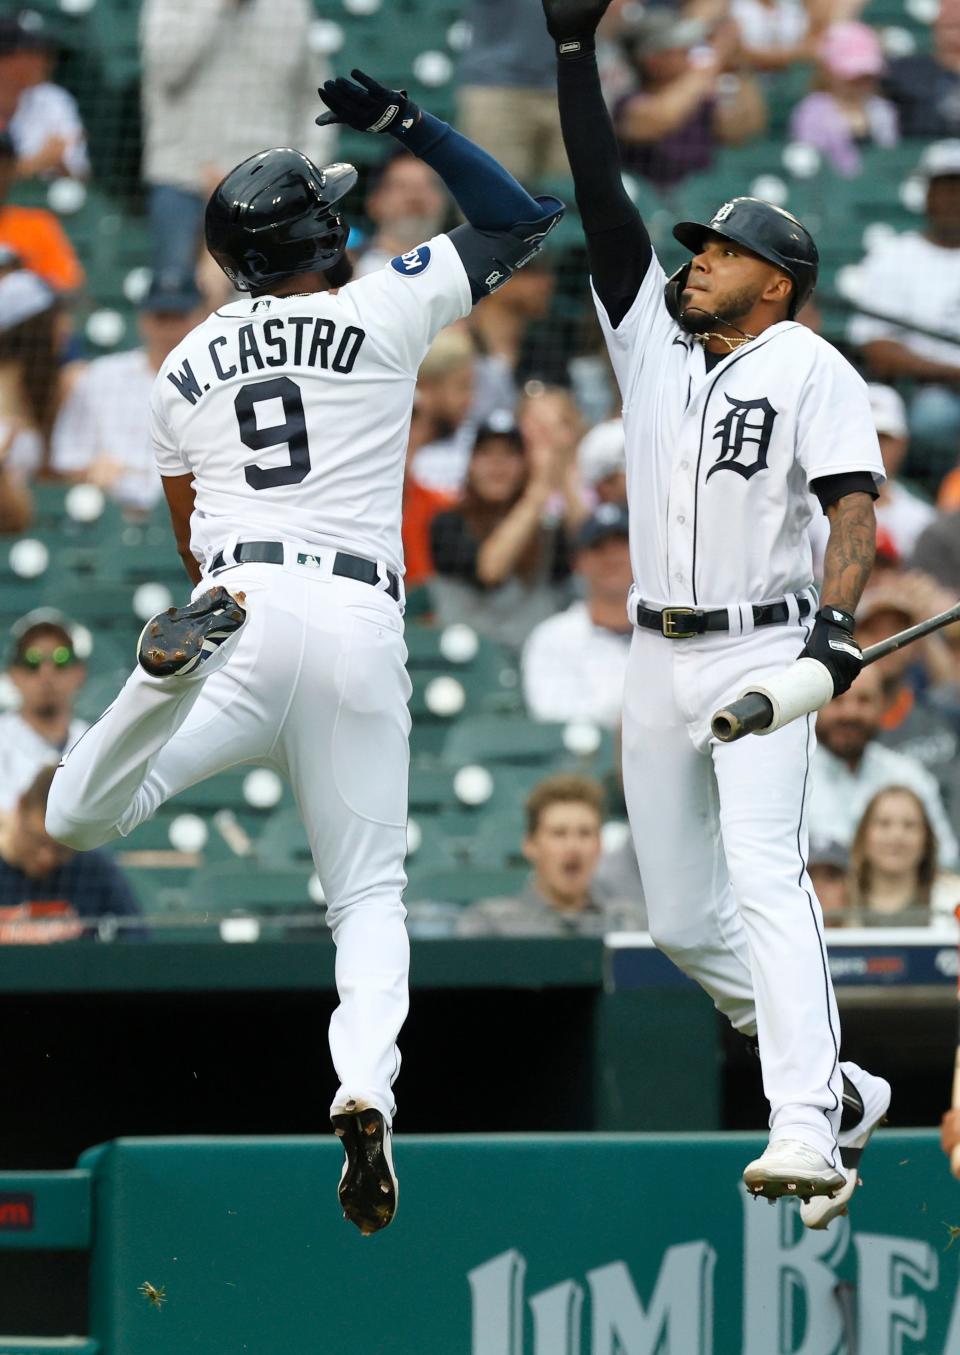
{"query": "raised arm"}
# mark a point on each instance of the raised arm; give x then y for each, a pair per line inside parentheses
(491, 199)
(617, 241)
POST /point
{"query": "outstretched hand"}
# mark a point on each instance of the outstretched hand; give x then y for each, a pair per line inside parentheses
(573, 20)
(367, 106)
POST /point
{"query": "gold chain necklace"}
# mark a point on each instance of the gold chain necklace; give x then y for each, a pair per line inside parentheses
(731, 343)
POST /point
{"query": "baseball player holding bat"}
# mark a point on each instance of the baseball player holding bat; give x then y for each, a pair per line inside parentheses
(733, 412)
(280, 426)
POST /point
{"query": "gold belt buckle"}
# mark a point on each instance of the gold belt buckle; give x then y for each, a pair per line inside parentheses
(668, 624)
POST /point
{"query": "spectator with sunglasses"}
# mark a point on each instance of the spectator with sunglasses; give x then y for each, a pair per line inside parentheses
(47, 674)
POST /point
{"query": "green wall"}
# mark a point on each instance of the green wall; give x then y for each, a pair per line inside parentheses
(552, 1245)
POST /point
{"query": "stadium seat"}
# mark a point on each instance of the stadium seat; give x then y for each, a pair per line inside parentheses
(159, 890)
(283, 840)
(431, 788)
(488, 739)
(236, 887)
(465, 885)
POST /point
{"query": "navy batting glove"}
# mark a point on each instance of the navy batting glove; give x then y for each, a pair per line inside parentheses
(832, 643)
(367, 106)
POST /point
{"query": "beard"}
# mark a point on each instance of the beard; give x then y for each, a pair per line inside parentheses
(728, 310)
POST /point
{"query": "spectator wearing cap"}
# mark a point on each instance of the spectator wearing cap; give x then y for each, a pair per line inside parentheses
(848, 111)
(926, 86)
(688, 101)
(42, 118)
(574, 663)
(850, 765)
(221, 80)
(49, 892)
(914, 279)
(602, 459)
(900, 511)
(828, 864)
(562, 844)
(406, 204)
(506, 90)
(47, 675)
(102, 432)
(501, 556)
(31, 376)
(34, 234)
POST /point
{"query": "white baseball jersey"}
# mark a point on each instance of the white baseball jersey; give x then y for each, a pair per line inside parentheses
(293, 413)
(719, 462)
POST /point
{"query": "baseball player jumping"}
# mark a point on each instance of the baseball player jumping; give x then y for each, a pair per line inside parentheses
(280, 426)
(733, 412)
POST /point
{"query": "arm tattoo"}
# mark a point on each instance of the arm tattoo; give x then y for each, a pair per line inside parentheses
(850, 551)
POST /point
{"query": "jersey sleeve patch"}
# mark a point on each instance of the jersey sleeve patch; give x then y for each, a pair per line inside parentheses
(414, 262)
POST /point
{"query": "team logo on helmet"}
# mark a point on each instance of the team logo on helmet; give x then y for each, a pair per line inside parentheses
(723, 212)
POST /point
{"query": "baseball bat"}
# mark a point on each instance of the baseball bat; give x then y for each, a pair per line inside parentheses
(753, 711)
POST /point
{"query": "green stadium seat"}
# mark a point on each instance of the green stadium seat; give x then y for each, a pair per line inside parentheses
(434, 850)
(237, 887)
(226, 790)
(431, 788)
(464, 885)
(283, 840)
(498, 840)
(487, 739)
(159, 889)
(97, 693)
(97, 603)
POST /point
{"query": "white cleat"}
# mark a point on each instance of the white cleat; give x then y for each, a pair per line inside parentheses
(789, 1167)
(819, 1213)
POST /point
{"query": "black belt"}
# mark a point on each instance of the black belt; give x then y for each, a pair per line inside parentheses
(346, 566)
(680, 623)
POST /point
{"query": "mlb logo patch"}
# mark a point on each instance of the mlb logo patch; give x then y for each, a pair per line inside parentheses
(412, 263)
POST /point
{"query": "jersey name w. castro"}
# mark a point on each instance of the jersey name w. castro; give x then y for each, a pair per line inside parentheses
(293, 413)
(719, 462)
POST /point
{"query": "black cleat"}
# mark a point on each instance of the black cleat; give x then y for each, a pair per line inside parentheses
(368, 1184)
(177, 642)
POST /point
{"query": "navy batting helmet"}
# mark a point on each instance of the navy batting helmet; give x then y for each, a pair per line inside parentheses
(275, 215)
(776, 235)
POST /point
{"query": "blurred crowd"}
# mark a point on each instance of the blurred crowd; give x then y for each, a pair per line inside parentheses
(515, 517)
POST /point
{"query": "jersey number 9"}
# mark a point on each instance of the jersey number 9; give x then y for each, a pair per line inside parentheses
(292, 433)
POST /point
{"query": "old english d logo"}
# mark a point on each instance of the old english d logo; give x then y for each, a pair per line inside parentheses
(747, 425)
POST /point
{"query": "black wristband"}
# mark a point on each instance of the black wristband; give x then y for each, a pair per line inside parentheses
(573, 47)
(836, 617)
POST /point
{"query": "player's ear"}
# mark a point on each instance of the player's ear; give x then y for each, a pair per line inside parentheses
(779, 287)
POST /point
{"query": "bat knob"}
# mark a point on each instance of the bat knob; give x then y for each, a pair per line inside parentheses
(749, 714)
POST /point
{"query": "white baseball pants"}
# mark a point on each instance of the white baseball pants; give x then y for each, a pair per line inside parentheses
(721, 838)
(315, 688)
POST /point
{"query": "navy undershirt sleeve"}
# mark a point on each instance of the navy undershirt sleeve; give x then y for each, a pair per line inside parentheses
(618, 244)
(488, 195)
(830, 489)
